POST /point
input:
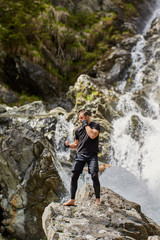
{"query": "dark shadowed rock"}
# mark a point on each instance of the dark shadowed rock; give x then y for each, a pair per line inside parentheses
(23, 75)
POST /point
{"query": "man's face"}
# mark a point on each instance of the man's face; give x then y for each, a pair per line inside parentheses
(82, 117)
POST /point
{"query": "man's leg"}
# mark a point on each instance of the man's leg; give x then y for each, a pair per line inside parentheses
(73, 188)
(93, 170)
(76, 171)
(96, 185)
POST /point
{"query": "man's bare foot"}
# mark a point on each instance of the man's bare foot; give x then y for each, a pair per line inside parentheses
(69, 203)
(97, 202)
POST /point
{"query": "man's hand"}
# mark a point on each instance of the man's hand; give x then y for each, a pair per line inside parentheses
(67, 144)
(85, 123)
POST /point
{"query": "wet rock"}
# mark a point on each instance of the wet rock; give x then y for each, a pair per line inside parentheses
(2, 109)
(7, 96)
(129, 43)
(111, 68)
(116, 218)
(29, 179)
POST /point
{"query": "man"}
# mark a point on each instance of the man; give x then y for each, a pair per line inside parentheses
(86, 143)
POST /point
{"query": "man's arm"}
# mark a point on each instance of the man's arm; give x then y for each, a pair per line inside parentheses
(92, 133)
(73, 145)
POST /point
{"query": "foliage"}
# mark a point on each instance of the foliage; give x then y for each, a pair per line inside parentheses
(93, 95)
(80, 19)
(24, 99)
(64, 43)
(18, 22)
(130, 10)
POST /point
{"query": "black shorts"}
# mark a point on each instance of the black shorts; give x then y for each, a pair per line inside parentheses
(83, 158)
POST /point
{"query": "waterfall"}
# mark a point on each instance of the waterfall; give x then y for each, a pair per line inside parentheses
(135, 155)
(63, 132)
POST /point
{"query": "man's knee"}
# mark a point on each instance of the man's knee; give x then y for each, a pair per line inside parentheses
(94, 176)
(75, 176)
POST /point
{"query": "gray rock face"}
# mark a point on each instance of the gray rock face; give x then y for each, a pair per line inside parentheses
(7, 96)
(29, 179)
(112, 68)
(116, 218)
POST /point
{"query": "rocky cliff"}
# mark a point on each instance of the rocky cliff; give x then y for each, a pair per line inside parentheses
(29, 178)
(115, 219)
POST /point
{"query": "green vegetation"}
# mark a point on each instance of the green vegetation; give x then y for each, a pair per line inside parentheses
(93, 95)
(64, 43)
(18, 22)
(80, 20)
(135, 120)
(24, 99)
(130, 10)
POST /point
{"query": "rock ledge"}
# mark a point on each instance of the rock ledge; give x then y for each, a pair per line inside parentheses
(116, 218)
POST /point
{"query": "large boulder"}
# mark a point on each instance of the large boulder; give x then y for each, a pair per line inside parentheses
(101, 105)
(116, 219)
(29, 178)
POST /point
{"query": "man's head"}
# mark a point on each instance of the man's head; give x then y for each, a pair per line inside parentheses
(83, 114)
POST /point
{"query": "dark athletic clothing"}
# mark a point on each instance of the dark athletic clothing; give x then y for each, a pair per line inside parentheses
(86, 153)
(74, 180)
(82, 159)
(86, 144)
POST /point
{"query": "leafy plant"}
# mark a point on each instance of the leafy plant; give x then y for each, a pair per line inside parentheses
(18, 22)
(81, 19)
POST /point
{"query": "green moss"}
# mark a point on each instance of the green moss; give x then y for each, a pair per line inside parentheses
(24, 99)
(59, 8)
(103, 47)
(91, 56)
(93, 95)
(129, 81)
(81, 19)
(135, 120)
(79, 95)
(130, 10)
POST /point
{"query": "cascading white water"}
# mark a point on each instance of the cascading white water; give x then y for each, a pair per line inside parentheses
(136, 162)
(63, 132)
